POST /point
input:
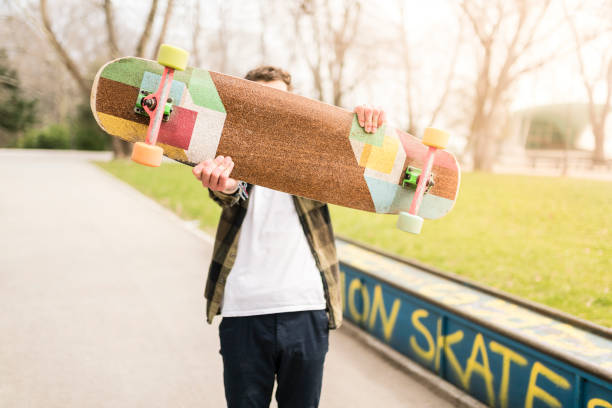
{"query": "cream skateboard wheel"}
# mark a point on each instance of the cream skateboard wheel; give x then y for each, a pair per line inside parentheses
(410, 223)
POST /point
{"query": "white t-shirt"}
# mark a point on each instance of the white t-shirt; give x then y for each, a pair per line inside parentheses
(274, 271)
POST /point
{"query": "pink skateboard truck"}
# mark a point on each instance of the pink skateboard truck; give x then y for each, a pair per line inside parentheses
(409, 221)
(154, 105)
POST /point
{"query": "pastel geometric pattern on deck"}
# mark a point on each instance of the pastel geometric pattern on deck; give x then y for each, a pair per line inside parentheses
(178, 131)
(150, 82)
(206, 133)
(380, 158)
(432, 206)
(385, 162)
(135, 132)
(392, 198)
(204, 91)
(396, 162)
(130, 71)
(382, 193)
(201, 113)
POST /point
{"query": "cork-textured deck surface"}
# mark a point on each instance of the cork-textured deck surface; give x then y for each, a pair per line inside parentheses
(277, 139)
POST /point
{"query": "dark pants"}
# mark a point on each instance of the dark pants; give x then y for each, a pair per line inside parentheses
(291, 346)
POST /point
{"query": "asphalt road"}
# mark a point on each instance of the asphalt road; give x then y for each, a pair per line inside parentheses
(101, 301)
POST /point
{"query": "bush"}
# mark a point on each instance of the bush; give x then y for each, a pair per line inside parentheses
(50, 137)
(87, 135)
(83, 133)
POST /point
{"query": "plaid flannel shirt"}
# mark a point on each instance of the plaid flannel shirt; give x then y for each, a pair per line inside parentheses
(316, 222)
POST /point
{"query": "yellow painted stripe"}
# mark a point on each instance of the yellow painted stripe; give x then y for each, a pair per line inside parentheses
(136, 132)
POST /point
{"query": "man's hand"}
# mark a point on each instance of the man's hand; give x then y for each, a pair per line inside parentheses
(370, 119)
(214, 174)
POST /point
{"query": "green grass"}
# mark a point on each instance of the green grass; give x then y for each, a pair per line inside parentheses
(544, 239)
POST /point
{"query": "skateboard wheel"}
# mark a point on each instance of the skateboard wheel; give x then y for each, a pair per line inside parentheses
(172, 57)
(410, 223)
(149, 155)
(435, 138)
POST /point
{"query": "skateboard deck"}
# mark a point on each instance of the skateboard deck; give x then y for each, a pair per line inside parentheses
(276, 139)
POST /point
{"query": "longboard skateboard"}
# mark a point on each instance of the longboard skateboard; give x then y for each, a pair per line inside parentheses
(276, 139)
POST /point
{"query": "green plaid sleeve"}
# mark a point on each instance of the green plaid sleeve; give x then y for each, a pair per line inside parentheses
(224, 200)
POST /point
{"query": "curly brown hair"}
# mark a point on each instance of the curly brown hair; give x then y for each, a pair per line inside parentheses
(269, 73)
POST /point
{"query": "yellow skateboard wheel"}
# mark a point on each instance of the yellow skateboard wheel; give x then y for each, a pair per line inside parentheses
(172, 57)
(409, 223)
(149, 155)
(435, 138)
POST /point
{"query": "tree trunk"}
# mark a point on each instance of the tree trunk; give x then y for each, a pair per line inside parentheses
(195, 51)
(146, 33)
(110, 30)
(162, 33)
(121, 148)
(70, 65)
(600, 137)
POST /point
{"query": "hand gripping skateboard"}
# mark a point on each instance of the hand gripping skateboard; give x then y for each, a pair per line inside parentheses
(276, 139)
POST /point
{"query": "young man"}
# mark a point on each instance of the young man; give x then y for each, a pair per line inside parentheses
(284, 281)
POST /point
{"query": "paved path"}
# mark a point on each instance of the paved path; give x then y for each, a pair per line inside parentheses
(101, 302)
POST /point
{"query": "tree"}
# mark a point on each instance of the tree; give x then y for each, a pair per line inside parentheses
(598, 114)
(326, 37)
(120, 148)
(506, 33)
(17, 112)
(407, 67)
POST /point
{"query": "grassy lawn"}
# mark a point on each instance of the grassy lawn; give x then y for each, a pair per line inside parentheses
(545, 239)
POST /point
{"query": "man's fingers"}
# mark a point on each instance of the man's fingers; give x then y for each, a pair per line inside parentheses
(207, 171)
(214, 177)
(223, 164)
(375, 115)
(199, 168)
(224, 177)
(197, 171)
(360, 115)
(219, 172)
(382, 118)
(368, 119)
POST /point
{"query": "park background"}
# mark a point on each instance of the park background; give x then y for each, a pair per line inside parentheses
(522, 86)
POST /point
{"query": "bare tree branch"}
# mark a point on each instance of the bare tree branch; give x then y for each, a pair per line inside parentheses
(306, 9)
(472, 19)
(264, 6)
(162, 33)
(223, 36)
(407, 56)
(70, 65)
(491, 86)
(531, 35)
(144, 37)
(195, 50)
(110, 29)
(449, 80)
(597, 119)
